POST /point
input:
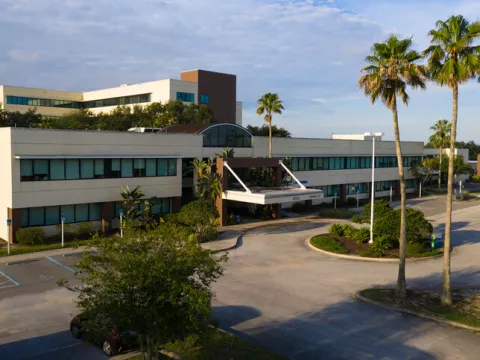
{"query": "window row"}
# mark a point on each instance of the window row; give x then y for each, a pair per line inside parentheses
(203, 99)
(123, 100)
(361, 188)
(28, 101)
(74, 169)
(184, 96)
(161, 206)
(383, 185)
(51, 215)
(328, 190)
(226, 135)
(411, 183)
(353, 162)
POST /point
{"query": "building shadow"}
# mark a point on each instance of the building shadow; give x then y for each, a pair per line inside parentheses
(460, 236)
(232, 315)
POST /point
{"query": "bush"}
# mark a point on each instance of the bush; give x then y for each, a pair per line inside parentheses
(349, 231)
(335, 213)
(231, 219)
(415, 249)
(336, 230)
(328, 244)
(351, 201)
(382, 243)
(362, 235)
(381, 208)
(30, 236)
(201, 217)
(360, 219)
(84, 228)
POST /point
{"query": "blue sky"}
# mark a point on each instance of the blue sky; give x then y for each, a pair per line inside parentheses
(308, 51)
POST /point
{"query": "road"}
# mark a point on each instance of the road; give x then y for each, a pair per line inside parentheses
(276, 292)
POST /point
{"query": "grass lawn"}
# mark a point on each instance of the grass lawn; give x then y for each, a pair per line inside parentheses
(17, 249)
(218, 345)
(325, 242)
(465, 308)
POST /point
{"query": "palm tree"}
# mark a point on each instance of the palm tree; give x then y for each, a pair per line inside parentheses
(452, 60)
(440, 139)
(392, 67)
(269, 103)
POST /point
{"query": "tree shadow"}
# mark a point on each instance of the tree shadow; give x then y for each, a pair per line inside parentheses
(460, 237)
(234, 315)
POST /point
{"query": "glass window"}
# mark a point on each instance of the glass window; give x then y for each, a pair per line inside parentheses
(24, 215)
(69, 212)
(214, 139)
(222, 135)
(40, 170)
(94, 212)
(72, 169)
(166, 205)
(172, 167)
(231, 134)
(139, 167)
(301, 164)
(239, 137)
(151, 167)
(26, 170)
(81, 212)
(87, 168)
(157, 207)
(127, 168)
(57, 169)
(52, 215)
(204, 99)
(36, 216)
(184, 96)
(99, 169)
(162, 167)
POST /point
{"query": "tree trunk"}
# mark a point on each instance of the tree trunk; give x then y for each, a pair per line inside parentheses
(447, 290)
(270, 137)
(401, 290)
(440, 170)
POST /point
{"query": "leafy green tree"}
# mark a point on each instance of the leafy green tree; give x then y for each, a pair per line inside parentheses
(201, 217)
(157, 286)
(473, 148)
(264, 131)
(440, 140)
(269, 104)
(131, 204)
(459, 165)
(392, 67)
(453, 59)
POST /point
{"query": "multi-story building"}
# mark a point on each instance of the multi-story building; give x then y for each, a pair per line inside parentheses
(216, 90)
(79, 174)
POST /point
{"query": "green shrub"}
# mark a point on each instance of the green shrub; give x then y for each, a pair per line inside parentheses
(336, 230)
(362, 235)
(200, 216)
(85, 228)
(381, 208)
(360, 219)
(328, 244)
(231, 219)
(349, 231)
(30, 236)
(335, 213)
(415, 249)
(351, 201)
(382, 243)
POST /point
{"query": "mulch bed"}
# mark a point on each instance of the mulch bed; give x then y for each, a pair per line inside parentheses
(354, 248)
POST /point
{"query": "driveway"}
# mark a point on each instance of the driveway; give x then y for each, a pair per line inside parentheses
(286, 297)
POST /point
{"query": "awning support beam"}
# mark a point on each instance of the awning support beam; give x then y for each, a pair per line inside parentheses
(236, 177)
(291, 174)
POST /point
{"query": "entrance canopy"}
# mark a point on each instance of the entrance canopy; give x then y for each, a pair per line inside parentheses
(264, 196)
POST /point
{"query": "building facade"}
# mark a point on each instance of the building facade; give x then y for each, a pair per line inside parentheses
(216, 90)
(80, 173)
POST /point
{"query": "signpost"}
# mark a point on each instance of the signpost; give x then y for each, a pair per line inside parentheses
(358, 200)
(62, 218)
(391, 192)
(9, 224)
(121, 223)
(420, 190)
(335, 200)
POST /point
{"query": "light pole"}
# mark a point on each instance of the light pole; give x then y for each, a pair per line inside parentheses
(373, 135)
(121, 223)
(9, 224)
(62, 218)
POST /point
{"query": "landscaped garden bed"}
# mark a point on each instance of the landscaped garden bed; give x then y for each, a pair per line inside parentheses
(347, 239)
(465, 309)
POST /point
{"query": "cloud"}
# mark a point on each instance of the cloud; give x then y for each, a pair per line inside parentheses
(309, 51)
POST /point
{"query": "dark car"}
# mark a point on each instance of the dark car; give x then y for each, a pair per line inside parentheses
(112, 341)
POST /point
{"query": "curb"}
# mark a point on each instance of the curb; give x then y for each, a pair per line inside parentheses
(356, 295)
(35, 256)
(22, 261)
(368, 259)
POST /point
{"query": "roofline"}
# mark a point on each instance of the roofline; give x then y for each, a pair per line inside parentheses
(220, 124)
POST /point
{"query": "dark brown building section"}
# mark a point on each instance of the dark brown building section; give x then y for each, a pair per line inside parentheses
(221, 90)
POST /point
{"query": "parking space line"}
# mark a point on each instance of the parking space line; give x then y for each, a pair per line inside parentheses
(59, 263)
(16, 283)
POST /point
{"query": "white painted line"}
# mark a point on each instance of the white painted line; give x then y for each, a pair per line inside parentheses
(9, 278)
(59, 263)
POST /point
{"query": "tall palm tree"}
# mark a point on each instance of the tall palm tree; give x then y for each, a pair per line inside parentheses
(269, 104)
(453, 59)
(440, 139)
(392, 67)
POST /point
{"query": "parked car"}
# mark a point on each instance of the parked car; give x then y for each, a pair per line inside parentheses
(112, 341)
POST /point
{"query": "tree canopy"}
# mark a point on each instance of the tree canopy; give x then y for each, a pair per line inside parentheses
(263, 131)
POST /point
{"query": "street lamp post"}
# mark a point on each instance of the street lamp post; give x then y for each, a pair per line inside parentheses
(121, 223)
(373, 135)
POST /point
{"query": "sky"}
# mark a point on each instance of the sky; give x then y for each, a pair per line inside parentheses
(308, 51)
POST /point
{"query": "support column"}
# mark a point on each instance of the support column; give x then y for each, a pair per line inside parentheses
(106, 212)
(176, 204)
(396, 190)
(343, 192)
(16, 216)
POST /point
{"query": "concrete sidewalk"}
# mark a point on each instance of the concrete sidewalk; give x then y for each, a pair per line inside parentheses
(14, 259)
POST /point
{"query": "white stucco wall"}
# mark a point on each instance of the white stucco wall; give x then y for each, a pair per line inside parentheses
(5, 179)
